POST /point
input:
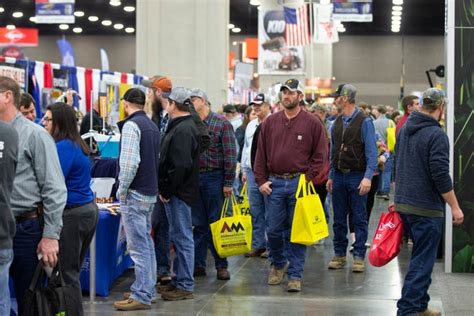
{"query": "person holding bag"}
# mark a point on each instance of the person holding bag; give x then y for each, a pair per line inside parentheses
(81, 213)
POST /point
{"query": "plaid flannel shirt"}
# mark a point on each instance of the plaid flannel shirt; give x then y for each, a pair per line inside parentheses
(222, 153)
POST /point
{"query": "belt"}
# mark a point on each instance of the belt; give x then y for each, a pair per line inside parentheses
(26, 216)
(344, 170)
(285, 176)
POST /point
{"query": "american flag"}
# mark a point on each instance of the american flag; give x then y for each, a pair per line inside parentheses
(297, 26)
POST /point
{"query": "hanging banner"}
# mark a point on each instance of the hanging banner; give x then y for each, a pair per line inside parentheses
(352, 11)
(67, 53)
(325, 31)
(274, 56)
(55, 11)
(19, 37)
(14, 71)
(13, 52)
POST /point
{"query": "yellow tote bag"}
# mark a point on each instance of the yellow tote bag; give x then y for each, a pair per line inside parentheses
(243, 203)
(232, 235)
(391, 137)
(309, 222)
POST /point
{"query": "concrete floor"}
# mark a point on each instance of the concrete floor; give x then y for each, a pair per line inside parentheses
(324, 292)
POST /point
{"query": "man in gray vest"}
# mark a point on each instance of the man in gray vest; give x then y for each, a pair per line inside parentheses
(353, 162)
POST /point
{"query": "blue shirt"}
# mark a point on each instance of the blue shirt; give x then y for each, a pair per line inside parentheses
(368, 138)
(77, 172)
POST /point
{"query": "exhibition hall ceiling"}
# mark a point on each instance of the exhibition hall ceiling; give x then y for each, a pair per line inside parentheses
(420, 17)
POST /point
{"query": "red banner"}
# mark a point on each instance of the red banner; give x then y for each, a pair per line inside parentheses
(19, 37)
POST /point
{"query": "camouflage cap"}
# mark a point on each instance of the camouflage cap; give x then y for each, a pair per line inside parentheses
(434, 96)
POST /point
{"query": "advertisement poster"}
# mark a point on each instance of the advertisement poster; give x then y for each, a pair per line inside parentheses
(352, 11)
(274, 56)
(21, 36)
(54, 11)
(16, 72)
(463, 236)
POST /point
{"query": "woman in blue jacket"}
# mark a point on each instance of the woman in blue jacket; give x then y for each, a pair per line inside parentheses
(81, 214)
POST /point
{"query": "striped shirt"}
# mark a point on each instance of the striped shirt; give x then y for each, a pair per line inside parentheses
(39, 178)
(222, 153)
(129, 162)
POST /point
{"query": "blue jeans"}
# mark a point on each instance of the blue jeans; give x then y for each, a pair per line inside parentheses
(345, 195)
(257, 209)
(207, 211)
(136, 221)
(426, 233)
(181, 232)
(26, 240)
(159, 222)
(6, 258)
(386, 177)
(280, 211)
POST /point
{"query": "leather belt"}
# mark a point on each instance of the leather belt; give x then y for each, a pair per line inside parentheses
(286, 176)
(26, 216)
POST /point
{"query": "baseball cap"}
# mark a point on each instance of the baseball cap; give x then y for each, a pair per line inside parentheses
(159, 82)
(135, 96)
(229, 108)
(195, 92)
(179, 95)
(293, 85)
(434, 96)
(345, 90)
(259, 99)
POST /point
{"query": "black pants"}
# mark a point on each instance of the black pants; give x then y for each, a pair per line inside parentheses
(78, 229)
(370, 202)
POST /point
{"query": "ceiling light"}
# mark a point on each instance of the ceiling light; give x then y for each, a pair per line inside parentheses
(129, 9)
(93, 18)
(2, 9)
(255, 2)
(341, 30)
(129, 30)
(79, 13)
(396, 18)
(77, 30)
(64, 26)
(395, 13)
(17, 14)
(115, 3)
(230, 26)
(118, 26)
(33, 19)
(11, 27)
(398, 2)
(234, 43)
(395, 30)
(394, 25)
(236, 30)
(106, 23)
(397, 8)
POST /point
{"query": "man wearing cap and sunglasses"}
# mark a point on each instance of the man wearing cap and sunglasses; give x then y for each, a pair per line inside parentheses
(353, 162)
(423, 186)
(137, 193)
(291, 142)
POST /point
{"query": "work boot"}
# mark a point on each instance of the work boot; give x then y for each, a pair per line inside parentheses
(223, 274)
(430, 312)
(163, 279)
(199, 272)
(276, 275)
(294, 286)
(130, 305)
(265, 254)
(255, 253)
(165, 288)
(177, 295)
(126, 296)
(337, 262)
(358, 265)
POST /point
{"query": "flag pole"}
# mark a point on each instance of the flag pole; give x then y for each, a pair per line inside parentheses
(311, 49)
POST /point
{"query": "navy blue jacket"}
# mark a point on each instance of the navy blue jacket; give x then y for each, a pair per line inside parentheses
(422, 163)
(146, 179)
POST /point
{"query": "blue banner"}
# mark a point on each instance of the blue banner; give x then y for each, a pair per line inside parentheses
(51, 11)
(67, 53)
(360, 11)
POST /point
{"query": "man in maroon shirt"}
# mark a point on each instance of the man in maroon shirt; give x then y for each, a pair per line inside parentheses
(410, 103)
(291, 142)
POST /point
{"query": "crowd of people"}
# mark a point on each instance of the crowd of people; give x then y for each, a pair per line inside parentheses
(179, 161)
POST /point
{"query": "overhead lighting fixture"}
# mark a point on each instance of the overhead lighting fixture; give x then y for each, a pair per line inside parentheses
(93, 18)
(118, 26)
(395, 30)
(115, 3)
(398, 2)
(129, 8)
(106, 23)
(396, 13)
(129, 30)
(2, 9)
(17, 14)
(79, 14)
(64, 26)
(11, 27)
(230, 26)
(255, 2)
(33, 19)
(396, 18)
(396, 25)
(77, 30)
(397, 8)
(236, 30)
(234, 43)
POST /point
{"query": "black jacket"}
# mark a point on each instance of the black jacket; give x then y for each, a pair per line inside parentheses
(179, 161)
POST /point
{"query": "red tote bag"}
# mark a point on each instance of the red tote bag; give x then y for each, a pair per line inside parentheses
(387, 239)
